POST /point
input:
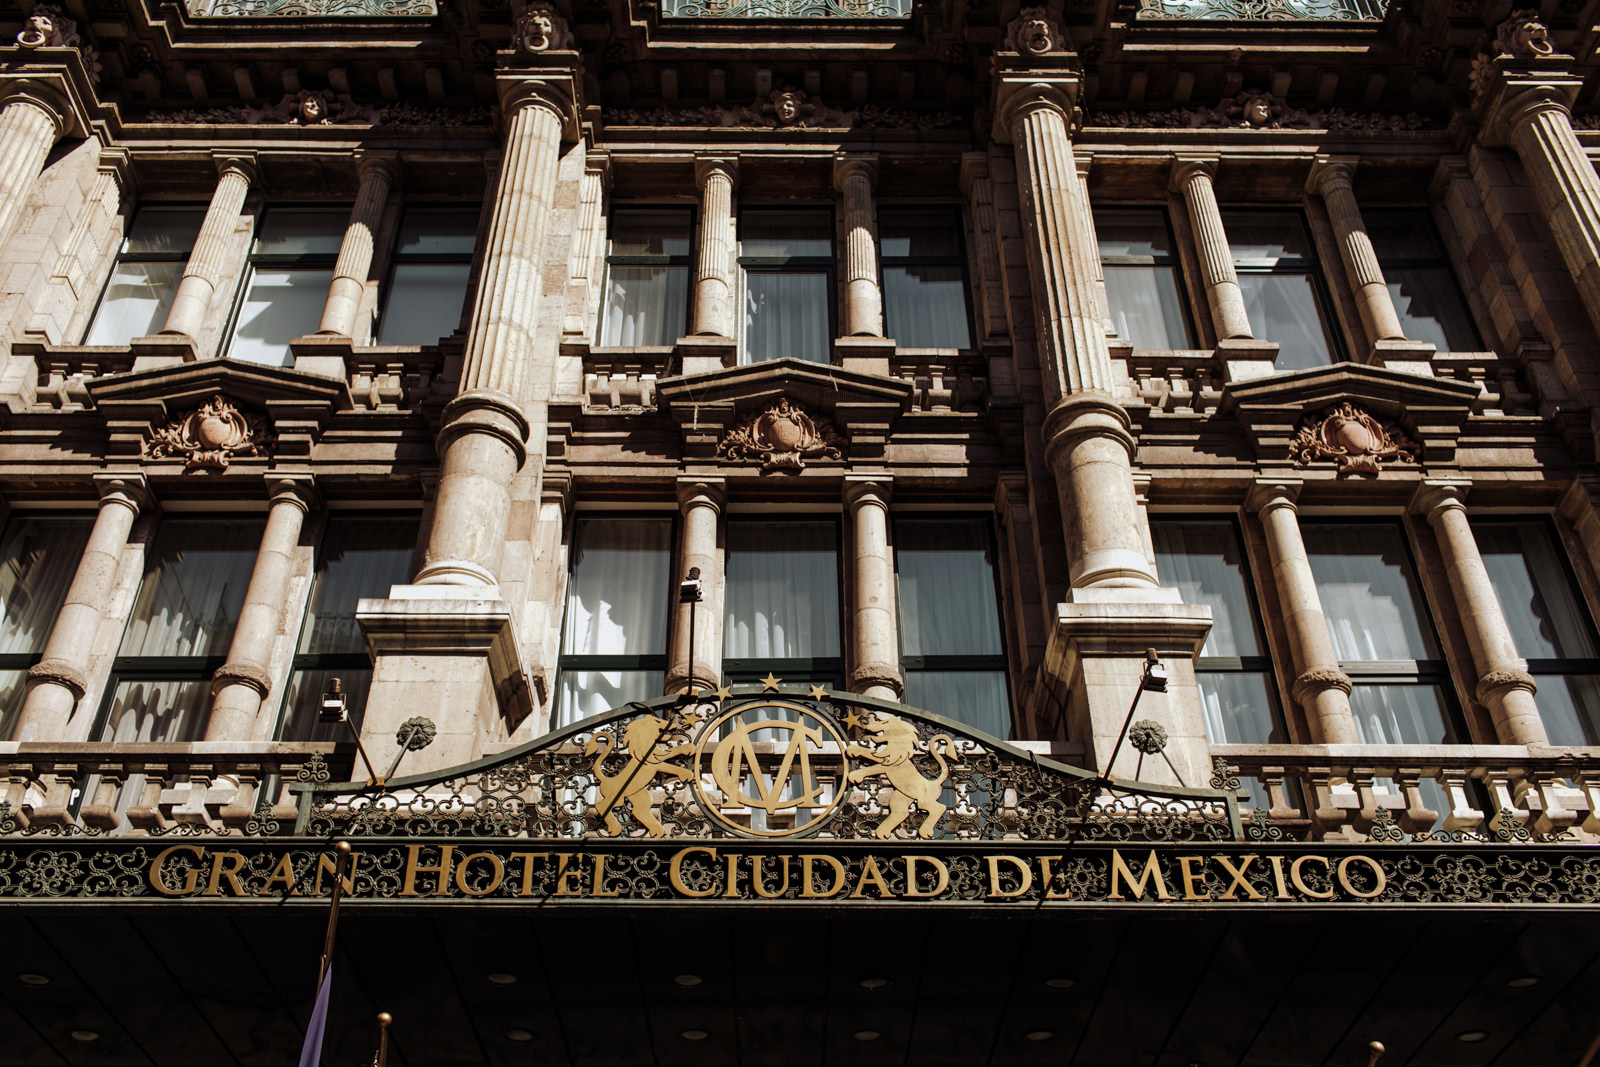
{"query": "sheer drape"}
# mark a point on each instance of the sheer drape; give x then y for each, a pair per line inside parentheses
(40, 558)
(1146, 307)
(158, 711)
(586, 693)
(786, 315)
(617, 605)
(195, 579)
(1237, 707)
(926, 307)
(1283, 308)
(977, 698)
(424, 303)
(280, 303)
(1203, 560)
(136, 302)
(645, 306)
(782, 592)
(1369, 598)
(946, 586)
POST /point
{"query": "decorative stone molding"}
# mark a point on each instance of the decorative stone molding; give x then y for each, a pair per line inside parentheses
(786, 109)
(1356, 440)
(211, 436)
(59, 672)
(1233, 115)
(1034, 33)
(247, 674)
(315, 108)
(782, 437)
(540, 29)
(876, 674)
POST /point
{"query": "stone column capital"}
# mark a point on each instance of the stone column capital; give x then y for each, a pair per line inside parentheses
(1329, 173)
(486, 411)
(851, 165)
(707, 167)
(863, 489)
(1086, 414)
(46, 98)
(131, 490)
(1436, 496)
(385, 165)
(243, 164)
(702, 493)
(1186, 168)
(551, 94)
(974, 168)
(1027, 92)
(1512, 92)
(296, 490)
(1268, 494)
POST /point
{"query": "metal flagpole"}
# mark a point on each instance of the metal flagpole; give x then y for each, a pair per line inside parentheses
(343, 849)
(311, 1050)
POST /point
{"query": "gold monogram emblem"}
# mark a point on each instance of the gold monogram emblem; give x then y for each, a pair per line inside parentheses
(786, 773)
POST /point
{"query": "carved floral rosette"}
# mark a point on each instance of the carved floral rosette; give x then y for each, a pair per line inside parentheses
(211, 436)
(1355, 440)
(781, 437)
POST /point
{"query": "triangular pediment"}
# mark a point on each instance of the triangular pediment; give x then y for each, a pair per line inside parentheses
(820, 388)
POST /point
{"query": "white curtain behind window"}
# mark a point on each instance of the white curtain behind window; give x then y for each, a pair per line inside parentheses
(645, 306)
(617, 605)
(37, 562)
(1283, 308)
(946, 587)
(926, 307)
(1363, 577)
(786, 316)
(194, 583)
(782, 594)
(1145, 306)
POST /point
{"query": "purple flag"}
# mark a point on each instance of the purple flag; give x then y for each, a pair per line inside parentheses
(311, 1051)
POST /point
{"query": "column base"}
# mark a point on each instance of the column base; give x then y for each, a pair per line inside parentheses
(1092, 665)
(450, 654)
(1245, 358)
(704, 353)
(865, 355)
(1411, 357)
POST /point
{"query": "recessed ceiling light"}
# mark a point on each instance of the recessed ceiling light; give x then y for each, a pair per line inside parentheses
(1470, 1036)
(1040, 1035)
(85, 1036)
(867, 1035)
(33, 979)
(519, 1035)
(695, 1035)
(1527, 981)
(874, 983)
(502, 978)
(688, 980)
(1059, 983)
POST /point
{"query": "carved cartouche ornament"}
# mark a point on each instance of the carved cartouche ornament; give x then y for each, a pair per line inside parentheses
(1355, 440)
(540, 29)
(1034, 33)
(211, 436)
(783, 436)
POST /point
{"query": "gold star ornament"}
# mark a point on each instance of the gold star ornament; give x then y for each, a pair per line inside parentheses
(723, 692)
(769, 684)
(818, 693)
(852, 720)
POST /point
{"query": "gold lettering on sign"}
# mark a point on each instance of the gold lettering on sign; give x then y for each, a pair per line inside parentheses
(1237, 874)
(870, 873)
(1377, 874)
(675, 872)
(191, 877)
(941, 876)
(1024, 877)
(1192, 878)
(808, 885)
(796, 791)
(225, 865)
(1299, 880)
(327, 864)
(1277, 878)
(569, 875)
(1121, 872)
(600, 879)
(1051, 892)
(527, 859)
(415, 866)
(284, 873)
(496, 865)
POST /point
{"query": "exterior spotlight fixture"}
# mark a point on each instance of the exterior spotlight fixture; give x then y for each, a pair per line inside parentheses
(874, 983)
(519, 1035)
(689, 592)
(688, 981)
(335, 706)
(1527, 981)
(1471, 1037)
(502, 978)
(867, 1035)
(1040, 1035)
(1059, 983)
(694, 1035)
(33, 979)
(85, 1036)
(1148, 736)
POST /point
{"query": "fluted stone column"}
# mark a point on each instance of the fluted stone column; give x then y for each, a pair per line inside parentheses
(355, 252)
(875, 630)
(1085, 161)
(32, 118)
(1320, 686)
(484, 438)
(717, 178)
(1504, 686)
(241, 683)
(700, 502)
(1088, 444)
(187, 315)
(855, 176)
(1193, 178)
(58, 681)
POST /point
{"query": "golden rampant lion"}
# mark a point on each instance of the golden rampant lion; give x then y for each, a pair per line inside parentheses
(892, 753)
(634, 781)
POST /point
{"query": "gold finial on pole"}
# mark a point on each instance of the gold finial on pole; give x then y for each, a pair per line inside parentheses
(1377, 1050)
(382, 1058)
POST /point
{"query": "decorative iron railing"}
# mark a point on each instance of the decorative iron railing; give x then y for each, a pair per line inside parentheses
(786, 9)
(311, 8)
(1264, 10)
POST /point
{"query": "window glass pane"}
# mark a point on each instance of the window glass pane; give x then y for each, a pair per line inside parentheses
(934, 232)
(650, 233)
(1369, 596)
(1284, 308)
(926, 307)
(1402, 235)
(194, 583)
(300, 233)
(617, 602)
(586, 693)
(359, 558)
(946, 589)
(163, 231)
(40, 557)
(1546, 619)
(785, 233)
(1264, 237)
(645, 306)
(1400, 715)
(303, 703)
(135, 304)
(1430, 308)
(437, 232)
(13, 690)
(1146, 306)
(1238, 708)
(1569, 707)
(786, 315)
(158, 711)
(424, 303)
(279, 305)
(1205, 561)
(977, 698)
(782, 595)
(1132, 233)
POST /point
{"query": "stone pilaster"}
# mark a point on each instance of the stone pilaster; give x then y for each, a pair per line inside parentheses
(33, 116)
(700, 502)
(717, 177)
(579, 317)
(355, 252)
(874, 629)
(60, 678)
(240, 684)
(187, 315)
(855, 176)
(1085, 161)
(1504, 686)
(1320, 687)
(979, 187)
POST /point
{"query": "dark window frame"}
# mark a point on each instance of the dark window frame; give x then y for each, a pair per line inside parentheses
(958, 259)
(1309, 266)
(822, 670)
(398, 259)
(277, 261)
(124, 256)
(1173, 260)
(686, 261)
(827, 265)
